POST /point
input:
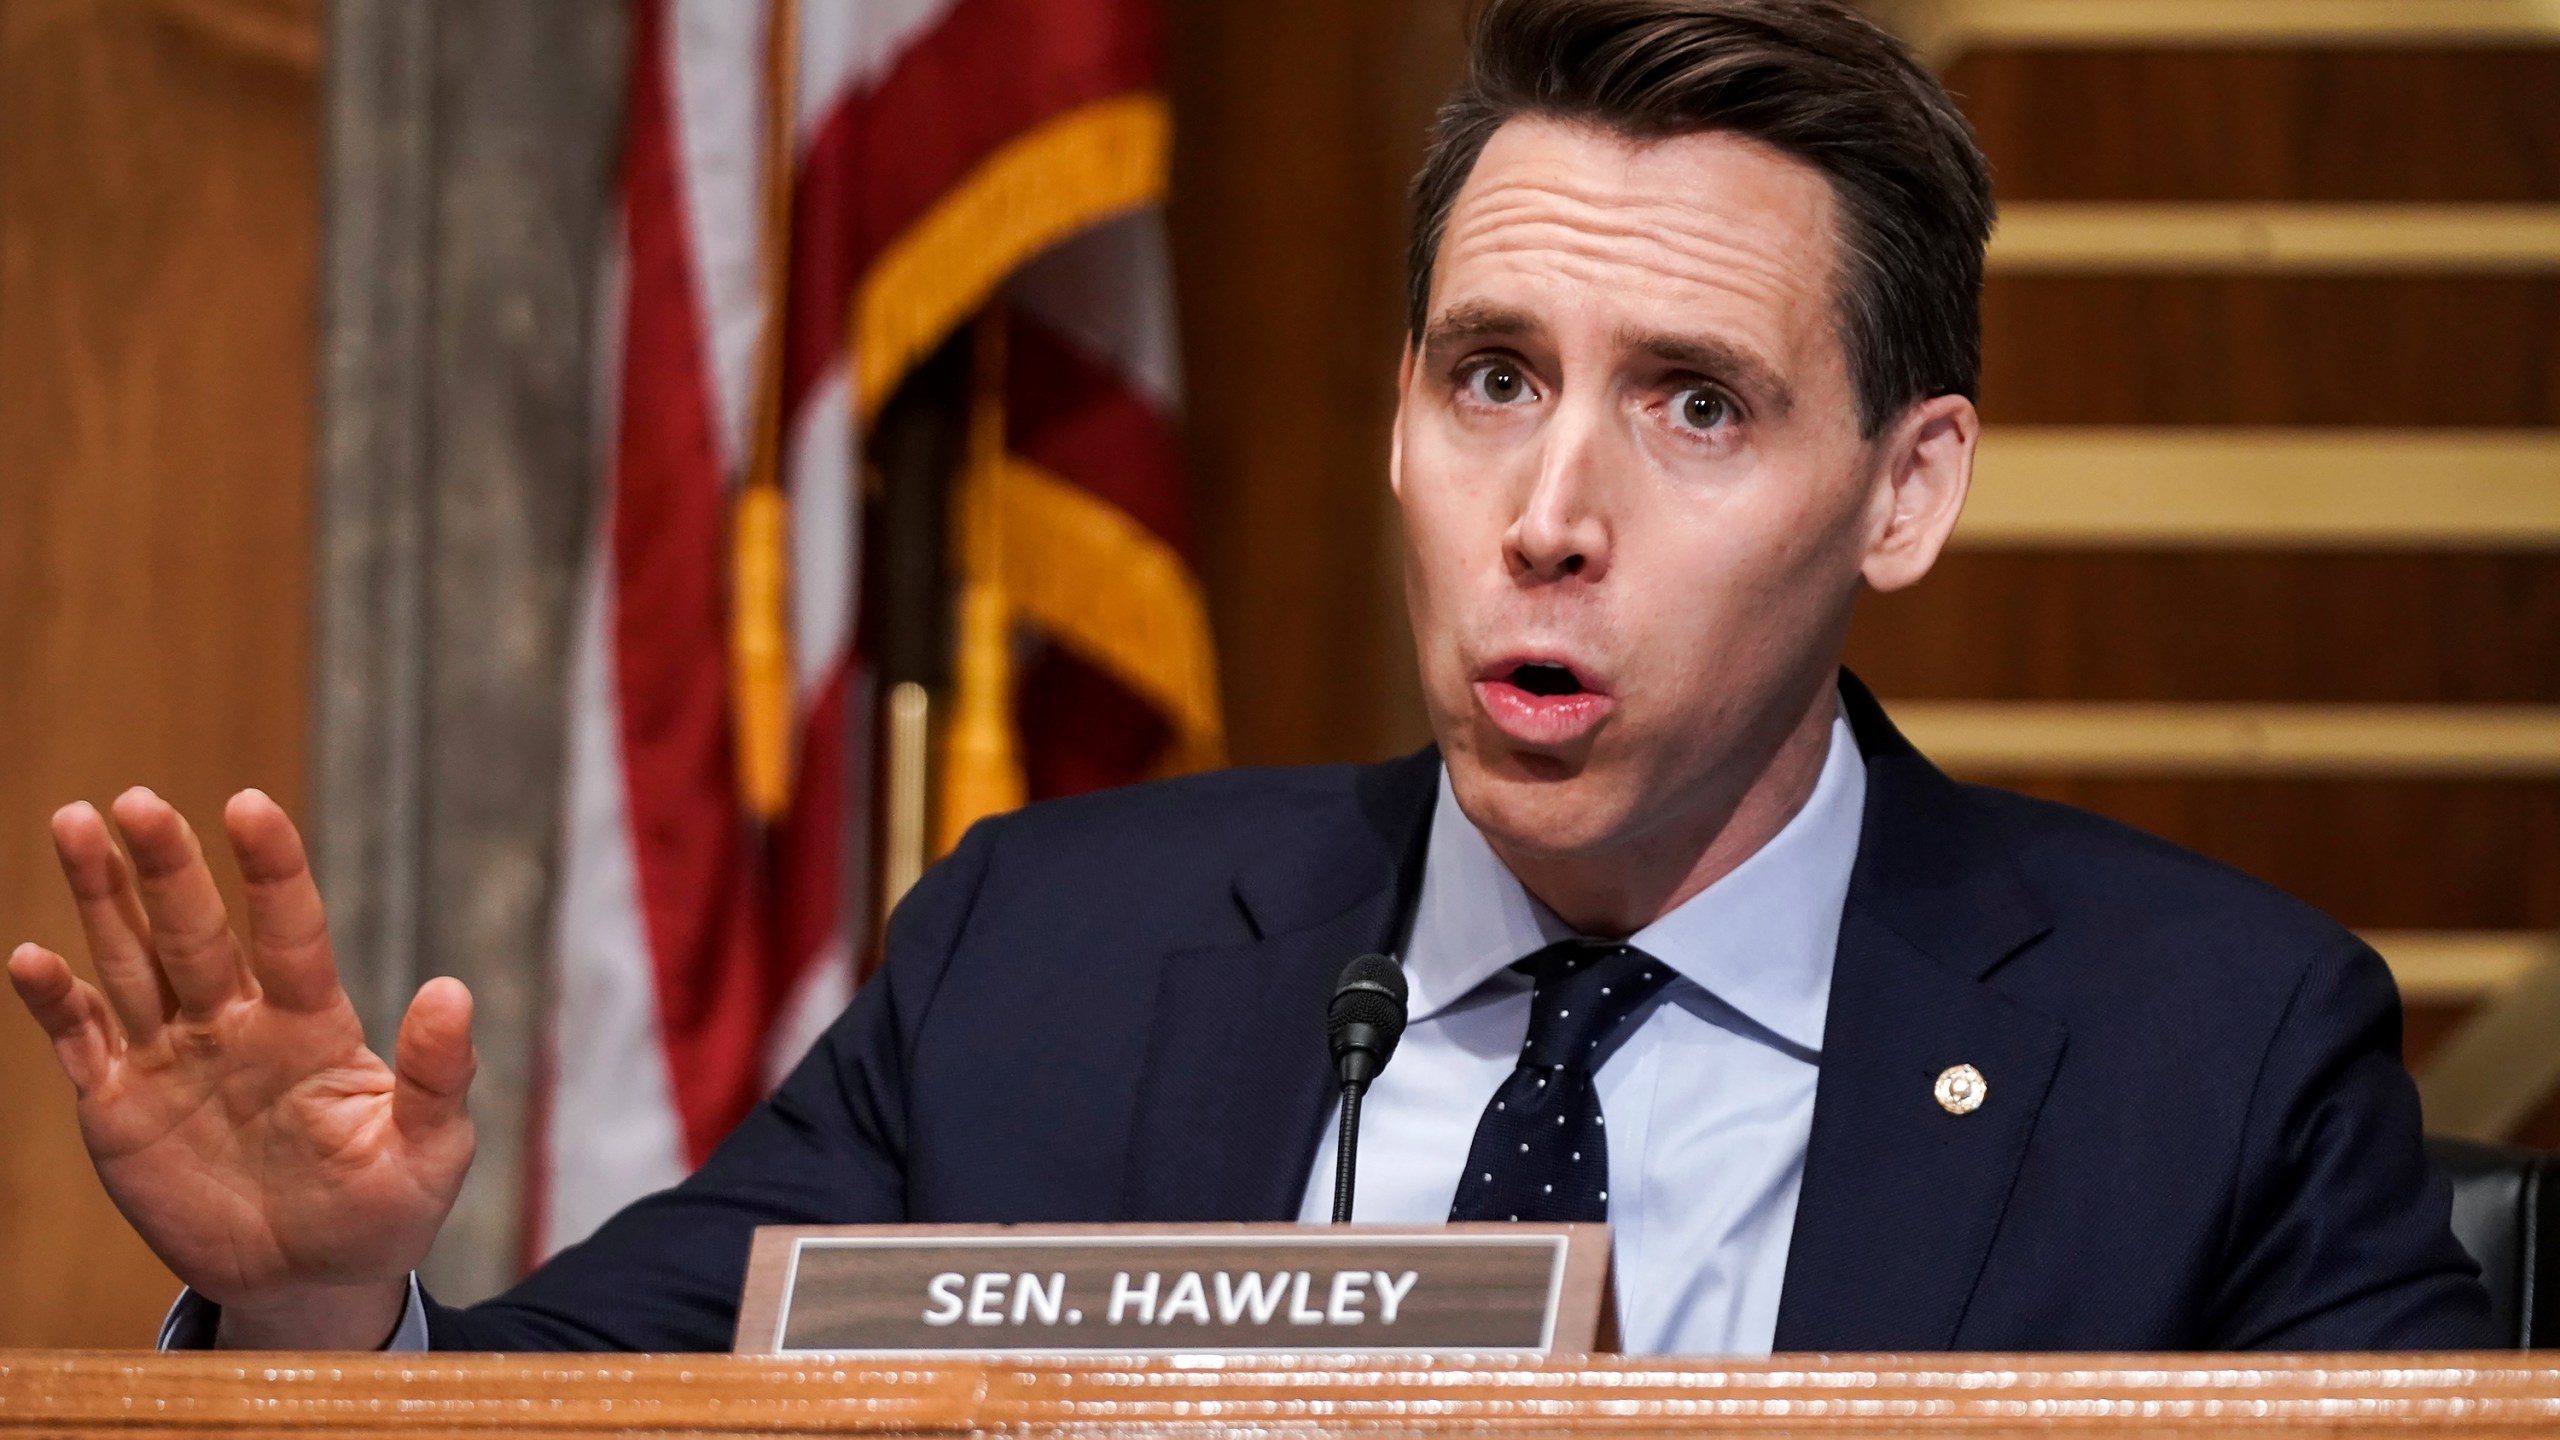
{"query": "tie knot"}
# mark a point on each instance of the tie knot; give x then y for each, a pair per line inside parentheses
(1586, 990)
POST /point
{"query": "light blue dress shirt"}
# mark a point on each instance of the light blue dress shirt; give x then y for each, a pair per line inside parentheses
(1709, 1093)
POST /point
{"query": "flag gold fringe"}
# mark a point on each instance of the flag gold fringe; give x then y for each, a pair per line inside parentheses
(1062, 176)
(1107, 588)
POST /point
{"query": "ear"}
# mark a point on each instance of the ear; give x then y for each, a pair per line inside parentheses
(1926, 466)
(1395, 431)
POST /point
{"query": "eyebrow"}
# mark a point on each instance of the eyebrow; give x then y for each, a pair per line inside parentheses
(1476, 322)
(1717, 360)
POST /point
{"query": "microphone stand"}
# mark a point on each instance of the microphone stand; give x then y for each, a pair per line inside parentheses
(1346, 1150)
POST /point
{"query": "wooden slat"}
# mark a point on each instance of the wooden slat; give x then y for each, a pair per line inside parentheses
(2444, 966)
(2361, 627)
(2274, 350)
(2084, 236)
(2379, 852)
(2443, 124)
(2495, 1072)
(2065, 485)
(1942, 30)
(2157, 739)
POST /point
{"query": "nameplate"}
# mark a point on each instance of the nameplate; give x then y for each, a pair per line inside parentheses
(1158, 1289)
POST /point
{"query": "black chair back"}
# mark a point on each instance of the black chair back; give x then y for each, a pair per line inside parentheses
(2506, 1212)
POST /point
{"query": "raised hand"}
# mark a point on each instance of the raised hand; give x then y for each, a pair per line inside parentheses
(225, 1092)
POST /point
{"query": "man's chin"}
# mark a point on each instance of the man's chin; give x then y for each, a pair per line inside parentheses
(1539, 803)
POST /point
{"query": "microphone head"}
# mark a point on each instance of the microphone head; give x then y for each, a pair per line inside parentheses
(1366, 1017)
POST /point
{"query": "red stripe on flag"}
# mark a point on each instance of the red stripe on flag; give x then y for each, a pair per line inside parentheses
(988, 71)
(1082, 730)
(670, 645)
(1073, 413)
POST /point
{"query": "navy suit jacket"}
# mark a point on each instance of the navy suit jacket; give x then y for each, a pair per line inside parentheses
(2198, 1133)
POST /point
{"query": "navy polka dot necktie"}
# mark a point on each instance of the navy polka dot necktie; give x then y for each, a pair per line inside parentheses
(1542, 1150)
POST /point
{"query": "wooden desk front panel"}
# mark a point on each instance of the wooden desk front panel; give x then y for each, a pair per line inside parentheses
(128, 1395)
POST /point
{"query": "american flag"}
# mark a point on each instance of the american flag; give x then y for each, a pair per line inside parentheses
(814, 197)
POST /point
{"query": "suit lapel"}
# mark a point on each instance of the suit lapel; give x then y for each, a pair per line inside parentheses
(1238, 1079)
(1902, 1198)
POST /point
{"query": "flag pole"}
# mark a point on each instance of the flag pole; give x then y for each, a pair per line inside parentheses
(918, 447)
(762, 698)
(982, 762)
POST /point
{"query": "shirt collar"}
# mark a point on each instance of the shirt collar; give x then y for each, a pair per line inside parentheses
(1761, 939)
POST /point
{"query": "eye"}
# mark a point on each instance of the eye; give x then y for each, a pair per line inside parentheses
(1702, 408)
(1496, 382)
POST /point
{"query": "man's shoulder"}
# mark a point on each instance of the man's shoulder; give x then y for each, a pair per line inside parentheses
(2084, 860)
(2124, 922)
(2141, 925)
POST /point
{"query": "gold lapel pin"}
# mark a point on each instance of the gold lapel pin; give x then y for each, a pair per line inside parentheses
(1961, 1089)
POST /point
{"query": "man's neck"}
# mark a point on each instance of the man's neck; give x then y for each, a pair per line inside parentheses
(1620, 891)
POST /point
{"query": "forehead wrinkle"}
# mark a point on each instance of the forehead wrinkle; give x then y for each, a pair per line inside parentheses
(1740, 349)
(1522, 216)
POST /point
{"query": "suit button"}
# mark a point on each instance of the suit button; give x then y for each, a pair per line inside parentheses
(1961, 1089)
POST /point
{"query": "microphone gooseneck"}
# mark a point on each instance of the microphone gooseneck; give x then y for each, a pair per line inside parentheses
(1364, 1022)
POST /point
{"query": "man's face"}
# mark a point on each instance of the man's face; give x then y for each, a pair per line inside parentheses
(1636, 502)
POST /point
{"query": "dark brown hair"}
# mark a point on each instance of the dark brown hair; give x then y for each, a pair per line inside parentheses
(1812, 78)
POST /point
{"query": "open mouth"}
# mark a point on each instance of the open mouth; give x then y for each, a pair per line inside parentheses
(1542, 702)
(1546, 680)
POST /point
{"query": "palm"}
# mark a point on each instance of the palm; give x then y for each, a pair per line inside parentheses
(226, 1093)
(266, 1172)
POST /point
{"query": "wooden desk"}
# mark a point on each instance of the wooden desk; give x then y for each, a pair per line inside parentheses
(132, 1395)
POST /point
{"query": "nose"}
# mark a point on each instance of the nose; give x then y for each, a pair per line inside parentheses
(1562, 529)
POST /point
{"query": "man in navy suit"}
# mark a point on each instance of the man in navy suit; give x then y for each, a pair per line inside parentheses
(1850, 1056)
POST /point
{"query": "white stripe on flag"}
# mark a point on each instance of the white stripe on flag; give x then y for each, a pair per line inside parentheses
(825, 988)
(1111, 290)
(716, 76)
(612, 1133)
(825, 531)
(846, 44)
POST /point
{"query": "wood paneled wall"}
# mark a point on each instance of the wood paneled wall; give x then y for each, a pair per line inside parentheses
(157, 219)
(1295, 131)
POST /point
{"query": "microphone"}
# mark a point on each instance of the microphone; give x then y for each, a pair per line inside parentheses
(1364, 1022)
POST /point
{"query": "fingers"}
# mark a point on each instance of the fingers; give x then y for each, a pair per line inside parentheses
(190, 933)
(111, 919)
(74, 1015)
(433, 1060)
(288, 929)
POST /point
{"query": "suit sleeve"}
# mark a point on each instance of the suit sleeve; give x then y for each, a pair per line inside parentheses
(2342, 1234)
(828, 1148)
